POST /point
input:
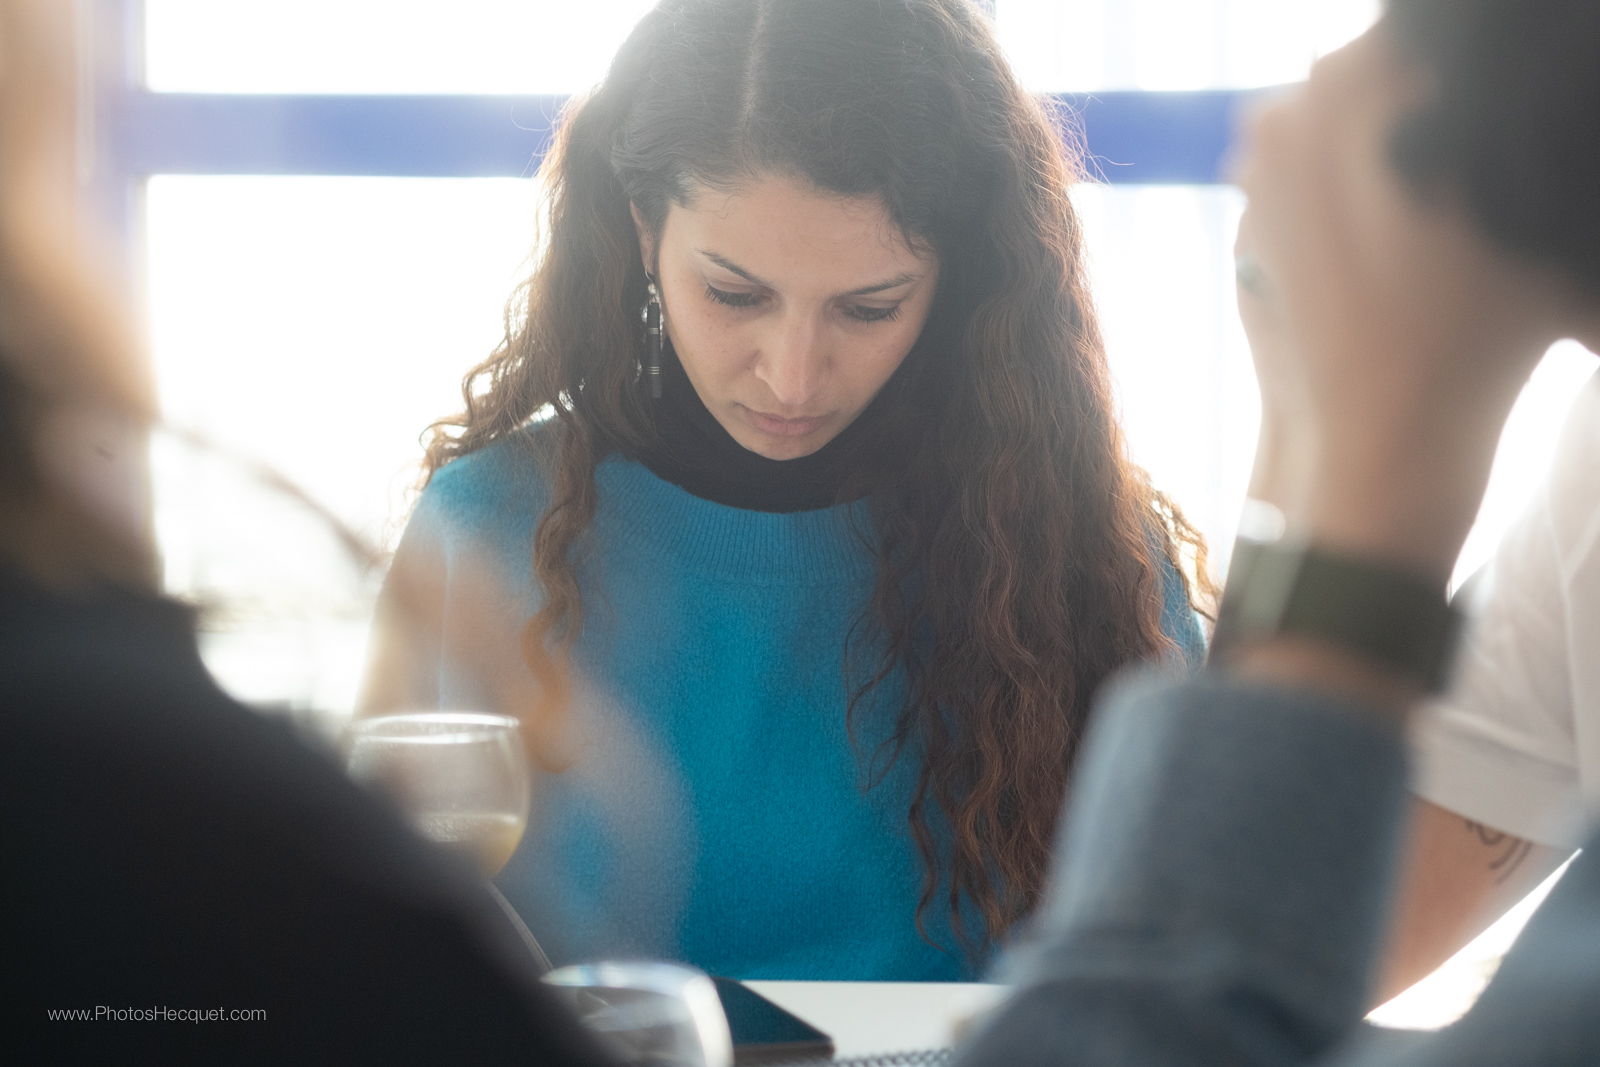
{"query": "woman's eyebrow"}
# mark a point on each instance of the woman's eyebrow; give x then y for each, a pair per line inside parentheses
(897, 280)
(866, 290)
(728, 264)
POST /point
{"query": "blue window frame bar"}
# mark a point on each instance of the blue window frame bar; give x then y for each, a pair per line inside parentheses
(1132, 136)
(131, 133)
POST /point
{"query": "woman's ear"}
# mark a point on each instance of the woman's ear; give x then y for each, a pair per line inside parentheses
(647, 240)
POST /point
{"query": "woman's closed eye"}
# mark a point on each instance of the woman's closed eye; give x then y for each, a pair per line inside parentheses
(870, 314)
(858, 312)
(733, 300)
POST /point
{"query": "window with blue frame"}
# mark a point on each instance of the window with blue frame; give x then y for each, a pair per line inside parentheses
(329, 201)
(326, 203)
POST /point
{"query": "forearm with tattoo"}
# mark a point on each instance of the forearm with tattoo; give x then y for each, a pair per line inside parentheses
(1511, 850)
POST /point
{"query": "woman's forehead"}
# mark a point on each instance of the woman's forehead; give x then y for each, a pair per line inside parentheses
(772, 225)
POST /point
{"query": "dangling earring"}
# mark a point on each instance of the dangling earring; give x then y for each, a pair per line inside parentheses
(655, 321)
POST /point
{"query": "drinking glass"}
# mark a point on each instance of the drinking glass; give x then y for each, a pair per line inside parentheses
(649, 1014)
(461, 777)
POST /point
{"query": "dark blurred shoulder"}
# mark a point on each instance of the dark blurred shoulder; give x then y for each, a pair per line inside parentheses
(167, 846)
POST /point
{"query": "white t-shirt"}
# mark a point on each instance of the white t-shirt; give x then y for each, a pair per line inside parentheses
(1516, 743)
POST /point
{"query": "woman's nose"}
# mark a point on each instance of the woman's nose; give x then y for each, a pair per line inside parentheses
(793, 362)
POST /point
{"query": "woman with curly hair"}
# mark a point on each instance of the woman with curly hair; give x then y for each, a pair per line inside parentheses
(798, 483)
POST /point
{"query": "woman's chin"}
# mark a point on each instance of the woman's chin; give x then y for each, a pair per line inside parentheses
(783, 448)
(773, 446)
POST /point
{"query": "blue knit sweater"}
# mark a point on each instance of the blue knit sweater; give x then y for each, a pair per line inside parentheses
(715, 810)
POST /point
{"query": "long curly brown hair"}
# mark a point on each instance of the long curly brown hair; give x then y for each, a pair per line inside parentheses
(1019, 551)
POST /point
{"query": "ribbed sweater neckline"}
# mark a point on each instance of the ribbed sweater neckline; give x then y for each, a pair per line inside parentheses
(693, 535)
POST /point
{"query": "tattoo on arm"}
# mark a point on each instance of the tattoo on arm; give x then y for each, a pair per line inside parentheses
(1511, 852)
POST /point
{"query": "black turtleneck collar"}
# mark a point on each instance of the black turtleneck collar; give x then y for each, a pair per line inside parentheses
(695, 453)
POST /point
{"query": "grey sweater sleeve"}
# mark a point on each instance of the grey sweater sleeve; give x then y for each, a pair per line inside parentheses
(1222, 883)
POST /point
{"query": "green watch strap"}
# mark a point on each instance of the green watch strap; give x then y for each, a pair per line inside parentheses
(1380, 612)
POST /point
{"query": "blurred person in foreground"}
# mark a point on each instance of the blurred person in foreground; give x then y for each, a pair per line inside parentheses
(1424, 221)
(167, 850)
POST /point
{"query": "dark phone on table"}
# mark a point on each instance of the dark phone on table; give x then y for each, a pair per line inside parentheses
(765, 1033)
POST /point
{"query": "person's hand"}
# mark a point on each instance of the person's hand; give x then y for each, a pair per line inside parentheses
(1390, 339)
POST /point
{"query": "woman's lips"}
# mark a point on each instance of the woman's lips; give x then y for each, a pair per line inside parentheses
(779, 426)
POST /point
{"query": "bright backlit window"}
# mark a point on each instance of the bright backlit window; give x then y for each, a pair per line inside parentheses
(1090, 45)
(383, 46)
(319, 324)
